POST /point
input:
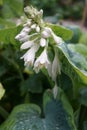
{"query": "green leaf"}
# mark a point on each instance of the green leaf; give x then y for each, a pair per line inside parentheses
(83, 96)
(28, 116)
(2, 70)
(11, 8)
(83, 38)
(33, 84)
(6, 23)
(80, 48)
(61, 31)
(76, 33)
(8, 35)
(73, 64)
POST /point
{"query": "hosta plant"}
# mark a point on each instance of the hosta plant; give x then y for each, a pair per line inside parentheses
(51, 79)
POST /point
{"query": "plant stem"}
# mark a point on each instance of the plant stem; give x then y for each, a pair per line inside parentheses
(3, 113)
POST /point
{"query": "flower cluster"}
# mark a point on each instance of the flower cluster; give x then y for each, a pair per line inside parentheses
(36, 35)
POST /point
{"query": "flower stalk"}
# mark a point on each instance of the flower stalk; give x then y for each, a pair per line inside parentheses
(35, 35)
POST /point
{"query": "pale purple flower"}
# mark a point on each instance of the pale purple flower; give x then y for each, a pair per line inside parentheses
(26, 29)
(27, 44)
(20, 35)
(24, 39)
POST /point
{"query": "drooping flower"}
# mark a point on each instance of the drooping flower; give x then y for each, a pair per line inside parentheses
(29, 56)
(56, 38)
(27, 44)
(20, 35)
(46, 33)
(55, 67)
(26, 29)
(55, 90)
(43, 42)
(42, 61)
(24, 39)
(49, 69)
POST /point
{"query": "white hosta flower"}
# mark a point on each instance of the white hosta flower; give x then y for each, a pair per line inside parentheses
(26, 29)
(41, 12)
(43, 42)
(37, 29)
(27, 44)
(55, 90)
(55, 67)
(32, 16)
(29, 56)
(20, 35)
(28, 23)
(56, 38)
(24, 39)
(46, 32)
(42, 61)
(49, 69)
(33, 26)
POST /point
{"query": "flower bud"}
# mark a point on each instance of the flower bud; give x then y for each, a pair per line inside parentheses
(57, 39)
(26, 29)
(43, 42)
(33, 26)
(37, 29)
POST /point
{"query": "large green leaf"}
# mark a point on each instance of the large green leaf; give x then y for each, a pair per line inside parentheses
(74, 65)
(28, 116)
(83, 96)
(83, 38)
(76, 33)
(61, 31)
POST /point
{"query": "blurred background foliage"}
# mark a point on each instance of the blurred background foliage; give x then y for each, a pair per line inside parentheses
(67, 9)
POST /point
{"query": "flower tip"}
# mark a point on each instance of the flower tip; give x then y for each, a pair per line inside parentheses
(55, 91)
(57, 39)
(17, 37)
(41, 11)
